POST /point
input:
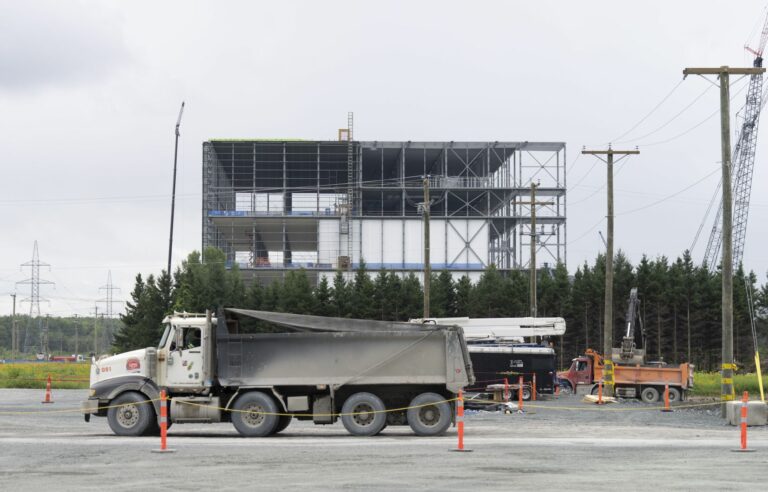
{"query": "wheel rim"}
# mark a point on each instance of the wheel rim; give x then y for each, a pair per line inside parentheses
(429, 416)
(253, 415)
(363, 414)
(128, 415)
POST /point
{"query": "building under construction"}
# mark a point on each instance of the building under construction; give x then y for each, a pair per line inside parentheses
(277, 205)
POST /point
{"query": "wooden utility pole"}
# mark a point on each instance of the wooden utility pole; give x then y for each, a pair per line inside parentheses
(608, 309)
(77, 345)
(728, 366)
(532, 263)
(96, 331)
(14, 335)
(427, 265)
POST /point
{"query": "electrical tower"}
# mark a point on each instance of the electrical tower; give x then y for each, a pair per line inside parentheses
(743, 164)
(108, 301)
(34, 297)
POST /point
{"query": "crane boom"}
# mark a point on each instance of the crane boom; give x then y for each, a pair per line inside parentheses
(743, 164)
(502, 329)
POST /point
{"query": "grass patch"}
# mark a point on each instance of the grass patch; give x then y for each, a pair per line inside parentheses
(33, 375)
(708, 384)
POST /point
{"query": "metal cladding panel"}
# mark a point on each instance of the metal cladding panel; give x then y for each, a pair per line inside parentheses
(372, 241)
(393, 242)
(394, 357)
(328, 241)
(414, 241)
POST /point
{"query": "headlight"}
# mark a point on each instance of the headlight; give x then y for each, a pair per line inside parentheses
(92, 392)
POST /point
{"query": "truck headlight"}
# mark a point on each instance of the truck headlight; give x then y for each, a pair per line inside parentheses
(92, 392)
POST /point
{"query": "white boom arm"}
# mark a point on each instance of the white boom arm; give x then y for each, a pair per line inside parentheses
(502, 328)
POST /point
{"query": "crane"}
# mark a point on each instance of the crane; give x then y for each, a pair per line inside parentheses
(502, 329)
(743, 164)
(629, 353)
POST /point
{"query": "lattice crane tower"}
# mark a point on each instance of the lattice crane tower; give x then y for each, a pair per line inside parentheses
(743, 164)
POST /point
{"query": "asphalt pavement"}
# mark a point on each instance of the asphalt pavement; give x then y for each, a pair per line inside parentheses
(559, 444)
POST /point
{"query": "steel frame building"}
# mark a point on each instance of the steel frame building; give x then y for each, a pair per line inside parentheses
(276, 205)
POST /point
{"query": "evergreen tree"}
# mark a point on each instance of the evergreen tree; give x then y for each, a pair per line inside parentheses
(362, 294)
(463, 296)
(296, 294)
(442, 295)
(340, 296)
(322, 296)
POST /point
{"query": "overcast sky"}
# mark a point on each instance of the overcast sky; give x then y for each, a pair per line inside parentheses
(89, 94)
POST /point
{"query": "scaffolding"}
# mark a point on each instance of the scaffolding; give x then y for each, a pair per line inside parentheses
(276, 205)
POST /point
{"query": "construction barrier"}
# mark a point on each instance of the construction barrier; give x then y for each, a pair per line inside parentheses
(48, 396)
(163, 425)
(666, 399)
(460, 422)
(744, 410)
(520, 395)
(533, 388)
(600, 393)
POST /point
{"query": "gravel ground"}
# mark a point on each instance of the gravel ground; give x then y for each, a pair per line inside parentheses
(555, 445)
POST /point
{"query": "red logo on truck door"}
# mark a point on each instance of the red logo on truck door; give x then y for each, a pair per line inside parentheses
(133, 365)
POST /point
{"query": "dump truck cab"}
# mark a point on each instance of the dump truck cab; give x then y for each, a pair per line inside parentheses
(580, 372)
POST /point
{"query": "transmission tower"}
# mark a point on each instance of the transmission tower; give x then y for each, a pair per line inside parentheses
(108, 301)
(743, 164)
(34, 297)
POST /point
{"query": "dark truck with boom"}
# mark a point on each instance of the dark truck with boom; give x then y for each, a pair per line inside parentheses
(307, 367)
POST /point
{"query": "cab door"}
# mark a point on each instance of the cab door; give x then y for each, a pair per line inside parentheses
(185, 359)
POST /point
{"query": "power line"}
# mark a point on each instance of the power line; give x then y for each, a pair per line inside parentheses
(664, 99)
(686, 108)
(662, 200)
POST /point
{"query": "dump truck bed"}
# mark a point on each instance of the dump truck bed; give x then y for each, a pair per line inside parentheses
(338, 352)
(681, 375)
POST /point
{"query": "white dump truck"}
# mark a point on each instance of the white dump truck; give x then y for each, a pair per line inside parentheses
(287, 366)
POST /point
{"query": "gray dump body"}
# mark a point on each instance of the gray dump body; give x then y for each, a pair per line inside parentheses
(317, 350)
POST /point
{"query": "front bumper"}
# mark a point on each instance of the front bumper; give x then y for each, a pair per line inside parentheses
(89, 406)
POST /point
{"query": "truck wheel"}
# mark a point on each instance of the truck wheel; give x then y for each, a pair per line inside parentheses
(527, 393)
(674, 395)
(649, 394)
(429, 414)
(565, 388)
(128, 417)
(282, 422)
(363, 414)
(254, 415)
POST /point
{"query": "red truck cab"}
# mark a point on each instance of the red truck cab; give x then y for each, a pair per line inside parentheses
(580, 372)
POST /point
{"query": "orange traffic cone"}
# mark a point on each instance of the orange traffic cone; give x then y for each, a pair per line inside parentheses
(48, 398)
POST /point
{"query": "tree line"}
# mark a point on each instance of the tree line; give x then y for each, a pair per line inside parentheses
(680, 302)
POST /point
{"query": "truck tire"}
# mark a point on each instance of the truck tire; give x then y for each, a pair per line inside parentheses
(254, 414)
(674, 395)
(649, 394)
(282, 422)
(426, 419)
(128, 417)
(363, 414)
(527, 393)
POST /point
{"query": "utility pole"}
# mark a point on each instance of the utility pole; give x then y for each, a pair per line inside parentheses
(77, 346)
(728, 366)
(608, 310)
(96, 331)
(532, 264)
(427, 265)
(14, 342)
(173, 194)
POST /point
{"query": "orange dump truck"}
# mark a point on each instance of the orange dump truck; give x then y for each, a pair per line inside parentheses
(644, 381)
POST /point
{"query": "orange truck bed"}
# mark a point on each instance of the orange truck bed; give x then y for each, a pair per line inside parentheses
(680, 376)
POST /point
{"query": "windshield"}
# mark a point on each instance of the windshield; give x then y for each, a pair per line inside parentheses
(165, 336)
